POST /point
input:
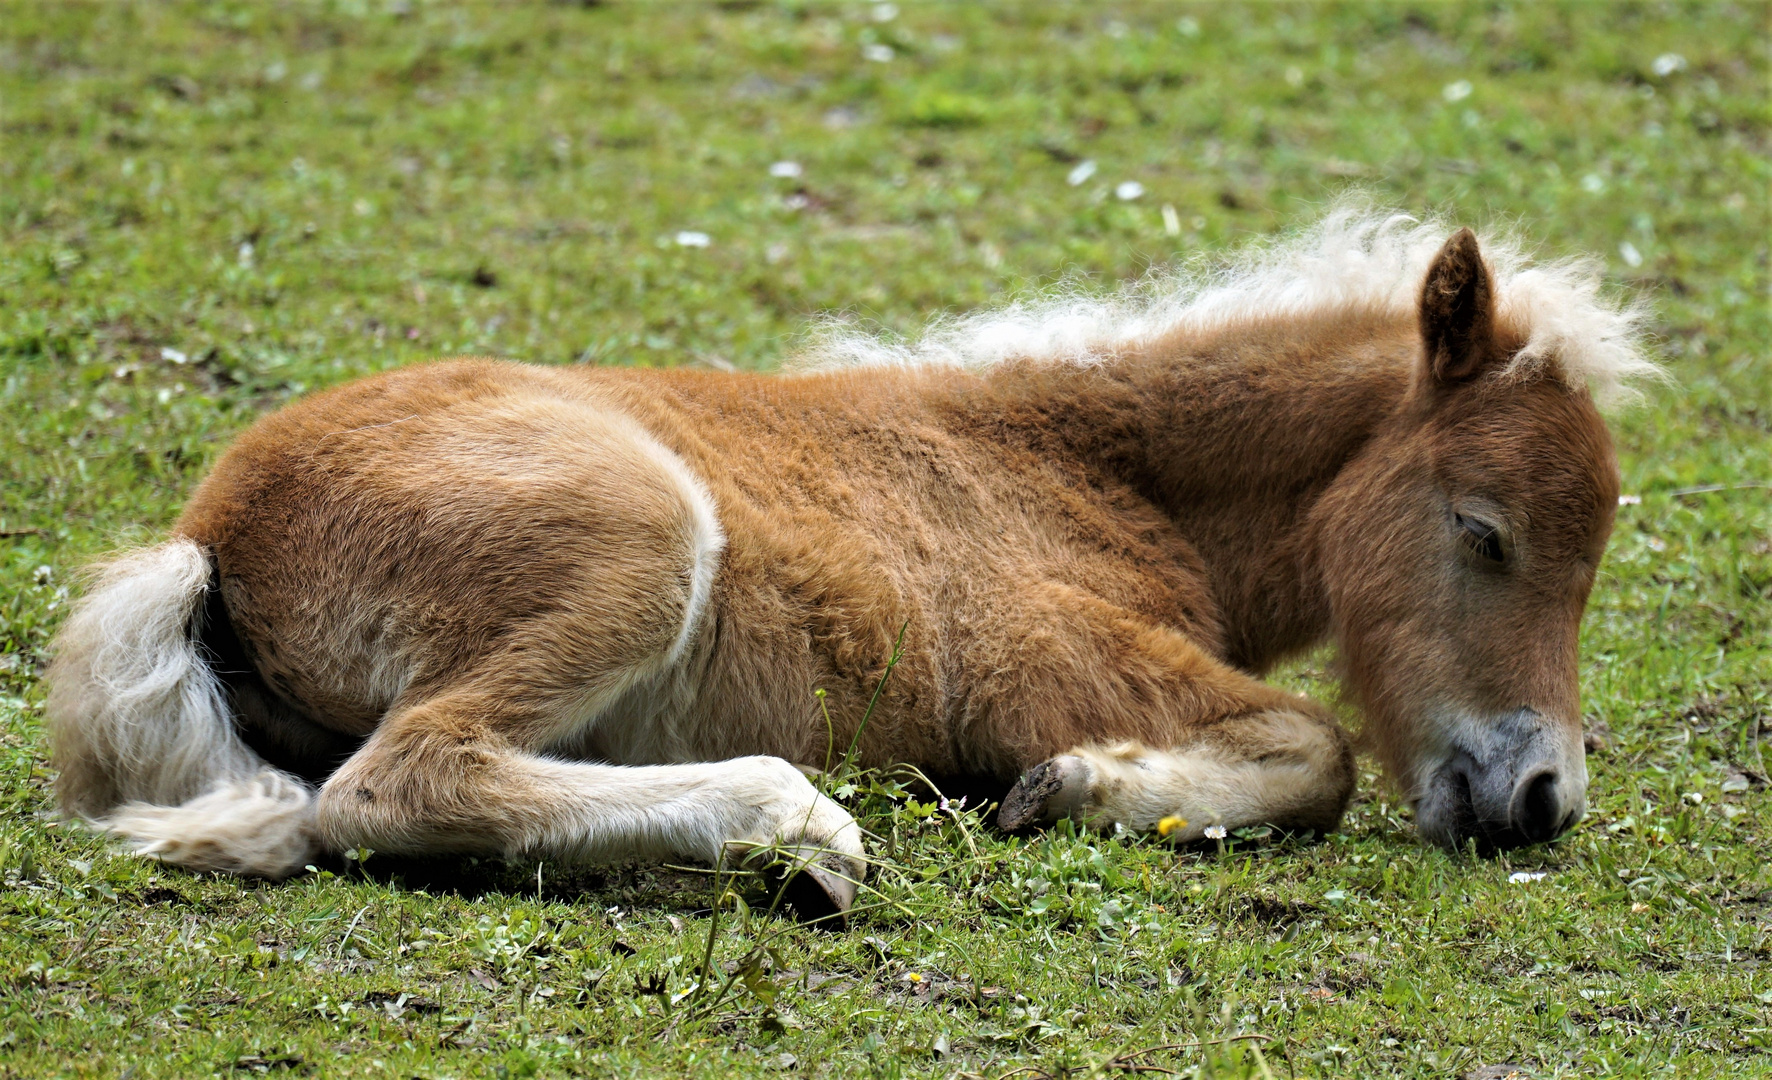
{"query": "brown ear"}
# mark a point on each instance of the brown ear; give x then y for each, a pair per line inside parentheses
(1458, 311)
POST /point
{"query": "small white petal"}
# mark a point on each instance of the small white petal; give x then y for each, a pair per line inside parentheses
(1629, 253)
(1630, 500)
(689, 238)
(1593, 183)
(1456, 91)
(1668, 63)
(1083, 171)
(1522, 877)
(174, 356)
(885, 12)
(787, 170)
(1128, 190)
(878, 53)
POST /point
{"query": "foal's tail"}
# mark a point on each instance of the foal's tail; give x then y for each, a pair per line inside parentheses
(140, 728)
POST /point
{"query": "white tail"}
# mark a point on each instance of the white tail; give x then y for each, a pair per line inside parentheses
(140, 729)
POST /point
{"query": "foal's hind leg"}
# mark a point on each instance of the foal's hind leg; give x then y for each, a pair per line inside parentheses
(446, 776)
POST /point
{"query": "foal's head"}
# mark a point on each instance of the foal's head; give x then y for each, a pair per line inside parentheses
(1458, 551)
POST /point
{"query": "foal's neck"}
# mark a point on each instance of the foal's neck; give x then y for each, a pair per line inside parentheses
(1235, 435)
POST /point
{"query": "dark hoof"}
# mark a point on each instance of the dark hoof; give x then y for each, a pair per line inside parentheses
(1025, 805)
(810, 883)
(819, 896)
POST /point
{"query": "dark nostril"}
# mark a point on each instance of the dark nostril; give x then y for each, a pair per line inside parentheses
(1535, 811)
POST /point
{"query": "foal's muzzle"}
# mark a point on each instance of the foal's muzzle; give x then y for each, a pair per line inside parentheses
(1510, 783)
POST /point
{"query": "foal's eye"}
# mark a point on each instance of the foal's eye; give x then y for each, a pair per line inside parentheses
(1481, 538)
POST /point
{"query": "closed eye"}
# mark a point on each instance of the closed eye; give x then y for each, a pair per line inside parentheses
(1481, 538)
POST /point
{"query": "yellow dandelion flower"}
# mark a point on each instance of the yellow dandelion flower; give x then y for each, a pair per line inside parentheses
(1170, 824)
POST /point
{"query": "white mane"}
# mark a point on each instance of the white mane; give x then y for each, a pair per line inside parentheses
(1354, 256)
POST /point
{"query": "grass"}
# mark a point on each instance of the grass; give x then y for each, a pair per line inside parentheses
(209, 208)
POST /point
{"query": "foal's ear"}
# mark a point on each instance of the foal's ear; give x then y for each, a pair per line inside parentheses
(1458, 311)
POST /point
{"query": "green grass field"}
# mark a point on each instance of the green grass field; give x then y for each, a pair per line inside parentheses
(207, 209)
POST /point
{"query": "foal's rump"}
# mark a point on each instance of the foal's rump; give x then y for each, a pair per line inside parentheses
(380, 543)
(475, 526)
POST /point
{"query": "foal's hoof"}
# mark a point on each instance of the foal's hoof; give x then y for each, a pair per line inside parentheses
(1052, 789)
(816, 893)
(819, 896)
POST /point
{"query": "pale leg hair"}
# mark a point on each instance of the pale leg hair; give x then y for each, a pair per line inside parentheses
(1278, 767)
(423, 785)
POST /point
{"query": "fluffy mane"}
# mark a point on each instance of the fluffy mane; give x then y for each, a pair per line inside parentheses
(1354, 256)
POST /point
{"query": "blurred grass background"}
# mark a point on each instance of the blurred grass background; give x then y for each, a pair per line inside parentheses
(208, 208)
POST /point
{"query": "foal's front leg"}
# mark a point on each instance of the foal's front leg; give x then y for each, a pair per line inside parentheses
(1287, 768)
(1137, 723)
(438, 778)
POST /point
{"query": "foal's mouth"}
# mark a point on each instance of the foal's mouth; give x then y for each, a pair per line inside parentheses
(1465, 822)
(1446, 814)
(1523, 806)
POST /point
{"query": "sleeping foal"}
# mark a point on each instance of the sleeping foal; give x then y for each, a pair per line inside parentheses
(578, 614)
